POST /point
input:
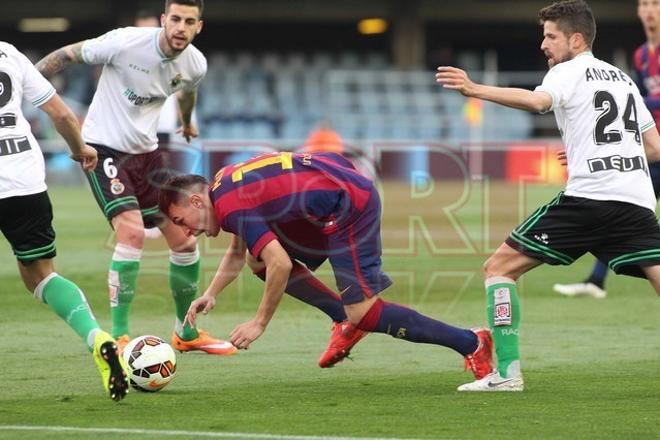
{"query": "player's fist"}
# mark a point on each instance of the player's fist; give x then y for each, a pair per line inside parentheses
(87, 158)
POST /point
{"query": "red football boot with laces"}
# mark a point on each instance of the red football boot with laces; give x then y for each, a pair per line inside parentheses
(344, 337)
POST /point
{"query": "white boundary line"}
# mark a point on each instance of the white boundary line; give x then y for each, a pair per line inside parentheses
(210, 434)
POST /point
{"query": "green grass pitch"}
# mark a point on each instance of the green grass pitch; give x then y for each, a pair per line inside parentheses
(591, 367)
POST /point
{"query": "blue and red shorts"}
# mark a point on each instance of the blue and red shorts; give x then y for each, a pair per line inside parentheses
(353, 246)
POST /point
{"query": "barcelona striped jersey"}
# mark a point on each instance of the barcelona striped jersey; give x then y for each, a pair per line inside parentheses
(253, 197)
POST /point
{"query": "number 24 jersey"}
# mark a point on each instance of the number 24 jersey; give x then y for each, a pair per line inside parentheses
(601, 117)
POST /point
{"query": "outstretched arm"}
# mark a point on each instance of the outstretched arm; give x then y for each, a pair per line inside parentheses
(60, 58)
(457, 79)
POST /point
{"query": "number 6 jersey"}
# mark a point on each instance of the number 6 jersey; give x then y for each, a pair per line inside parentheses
(21, 162)
(601, 117)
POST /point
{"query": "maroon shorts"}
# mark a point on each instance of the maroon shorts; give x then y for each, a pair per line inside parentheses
(124, 182)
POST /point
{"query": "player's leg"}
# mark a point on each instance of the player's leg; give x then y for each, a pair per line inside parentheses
(30, 232)
(123, 272)
(304, 286)
(62, 296)
(184, 281)
(68, 302)
(184, 274)
(653, 275)
(634, 246)
(552, 234)
(114, 190)
(355, 255)
(501, 271)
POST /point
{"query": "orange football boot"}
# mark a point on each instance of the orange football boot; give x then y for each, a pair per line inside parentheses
(204, 342)
(122, 342)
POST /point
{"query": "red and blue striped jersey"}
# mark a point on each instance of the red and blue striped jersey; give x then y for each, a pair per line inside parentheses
(647, 67)
(251, 198)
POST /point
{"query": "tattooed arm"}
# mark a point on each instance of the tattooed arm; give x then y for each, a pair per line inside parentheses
(60, 58)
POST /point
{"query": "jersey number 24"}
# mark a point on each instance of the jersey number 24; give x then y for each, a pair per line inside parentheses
(605, 103)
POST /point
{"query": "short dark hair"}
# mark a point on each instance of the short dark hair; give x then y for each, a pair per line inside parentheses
(198, 3)
(177, 188)
(571, 16)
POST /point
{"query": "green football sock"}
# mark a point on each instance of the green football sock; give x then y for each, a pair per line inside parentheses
(504, 321)
(69, 303)
(184, 279)
(122, 280)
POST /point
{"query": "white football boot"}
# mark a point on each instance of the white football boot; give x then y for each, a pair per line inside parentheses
(495, 382)
(587, 289)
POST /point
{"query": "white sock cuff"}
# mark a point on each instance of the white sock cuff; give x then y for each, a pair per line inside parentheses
(184, 258)
(126, 253)
(39, 290)
(498, 280)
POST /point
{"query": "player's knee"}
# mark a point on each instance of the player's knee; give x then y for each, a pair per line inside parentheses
(129, 229)
(34, 272)
(495, 266)
(30, 282)
(186, 246)
(130, 236)
(488, 267)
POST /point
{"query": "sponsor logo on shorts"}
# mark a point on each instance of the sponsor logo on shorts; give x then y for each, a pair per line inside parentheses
(543, 238)
(116, 187)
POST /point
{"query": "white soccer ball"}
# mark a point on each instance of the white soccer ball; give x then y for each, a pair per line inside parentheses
(151, 363)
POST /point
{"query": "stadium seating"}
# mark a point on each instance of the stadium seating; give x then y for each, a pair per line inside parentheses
(281, 97)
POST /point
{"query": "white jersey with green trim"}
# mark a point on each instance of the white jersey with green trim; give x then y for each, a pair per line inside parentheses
(601, 117)
(136, 80)
(22, 170)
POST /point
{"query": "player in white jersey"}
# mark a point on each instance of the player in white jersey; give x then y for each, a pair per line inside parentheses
(26, 214)
(142, 66)
(608, 206)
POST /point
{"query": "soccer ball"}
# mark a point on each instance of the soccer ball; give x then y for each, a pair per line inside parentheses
(151, 363)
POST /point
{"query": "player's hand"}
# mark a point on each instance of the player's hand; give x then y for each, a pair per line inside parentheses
(244, 334)
(203, 304)
(561, 157)
(87, 158)
(188, 132)
(454, 78)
